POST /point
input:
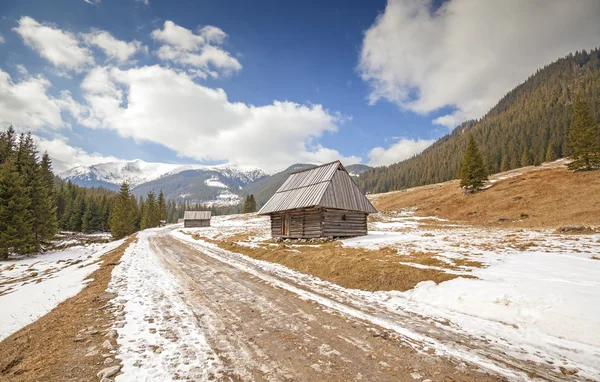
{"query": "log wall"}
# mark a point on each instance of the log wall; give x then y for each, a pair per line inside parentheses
(314, 223)
(196, 223)
(342, 223)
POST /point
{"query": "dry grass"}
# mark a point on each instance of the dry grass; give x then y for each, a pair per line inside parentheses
(376, 270)
(538, 198)
(45, 350)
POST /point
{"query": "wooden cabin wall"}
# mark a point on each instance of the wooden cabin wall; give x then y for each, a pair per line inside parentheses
(306, 223)
(342, 223)
(314, 223)
(196, 223)
(277, 225)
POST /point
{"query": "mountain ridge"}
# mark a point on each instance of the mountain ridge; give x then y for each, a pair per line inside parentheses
(218, 185)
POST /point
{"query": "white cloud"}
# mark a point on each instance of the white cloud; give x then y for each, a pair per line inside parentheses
(145, 2)
(2, 41)
(402, 149)
(61, 48)
(178, 36)
(26, 104)
(165, 106)
(65, 156)
(113, 48)
(201, 51)
(468, 53)
(93, 2)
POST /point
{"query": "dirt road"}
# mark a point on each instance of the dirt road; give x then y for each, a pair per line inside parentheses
(262, 332)
(264, 325)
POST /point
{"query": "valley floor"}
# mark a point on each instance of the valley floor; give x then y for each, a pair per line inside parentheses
(205, 304)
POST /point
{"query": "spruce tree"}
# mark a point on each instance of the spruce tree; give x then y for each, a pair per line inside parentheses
(472, 171)
(7, 144)
(48, 199)
(584, 137)
(150, 218)
(252, 204)
(121, 215)
(526, 158)
(16, 234)
(162, 207)
(92, 218)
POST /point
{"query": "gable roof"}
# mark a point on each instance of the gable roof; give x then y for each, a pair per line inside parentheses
(328, 185)
(196, 215)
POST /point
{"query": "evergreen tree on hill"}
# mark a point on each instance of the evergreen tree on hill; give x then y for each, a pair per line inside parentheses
(16, 235)
(472, 170)
(48, 212)
(150, 218)
(584, 137)
(122, 219)
(162, 207)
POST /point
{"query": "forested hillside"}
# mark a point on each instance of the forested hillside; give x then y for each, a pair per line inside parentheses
(529, 125)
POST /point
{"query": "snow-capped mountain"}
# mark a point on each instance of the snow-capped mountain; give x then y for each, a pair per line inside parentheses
(137, 172)
(218, 185)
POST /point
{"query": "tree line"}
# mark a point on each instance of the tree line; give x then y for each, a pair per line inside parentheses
(27, 196)
(531, 124)
(583, 143)
(35, 205)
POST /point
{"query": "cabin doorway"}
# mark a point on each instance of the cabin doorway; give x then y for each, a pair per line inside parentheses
(287, 219)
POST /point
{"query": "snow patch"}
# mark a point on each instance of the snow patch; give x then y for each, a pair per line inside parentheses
(160, 337)
(33, 286)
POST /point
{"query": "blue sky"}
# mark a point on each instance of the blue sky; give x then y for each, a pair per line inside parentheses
(307, 81)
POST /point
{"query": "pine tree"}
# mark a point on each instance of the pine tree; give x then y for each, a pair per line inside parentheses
(16, 235)
(252, 204)
(249, 204)
(28, 167)
(162, 207)
(48, 199)
(472, 170)
(504, 165)
(526, 158)
(552, 153)
(121, 215)
(584, 137)
(92, 218)
(77, 211)
(7, 144)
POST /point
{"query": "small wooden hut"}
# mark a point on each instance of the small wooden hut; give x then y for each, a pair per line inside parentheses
(319, 202)
(193, 219)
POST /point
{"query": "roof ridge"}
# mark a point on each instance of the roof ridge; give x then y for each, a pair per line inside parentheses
(321, 165)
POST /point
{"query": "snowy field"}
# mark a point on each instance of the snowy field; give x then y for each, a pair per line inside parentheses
(32, 286)
(537, 281)
(536, 293)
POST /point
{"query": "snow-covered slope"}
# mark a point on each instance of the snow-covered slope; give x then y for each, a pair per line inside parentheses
(137, 172)
(133, 172)
(212, 185)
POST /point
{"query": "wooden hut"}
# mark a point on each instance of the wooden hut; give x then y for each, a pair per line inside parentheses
(319, 202)
(193, 219)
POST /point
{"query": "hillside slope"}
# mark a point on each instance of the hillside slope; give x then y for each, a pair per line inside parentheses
(547, 196)
(528, 126)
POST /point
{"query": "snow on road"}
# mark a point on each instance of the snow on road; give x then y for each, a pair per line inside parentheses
(159, 337)
(31, 287)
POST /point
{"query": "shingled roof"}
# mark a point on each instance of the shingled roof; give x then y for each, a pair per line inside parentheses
(196, 215)
(328, 186)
